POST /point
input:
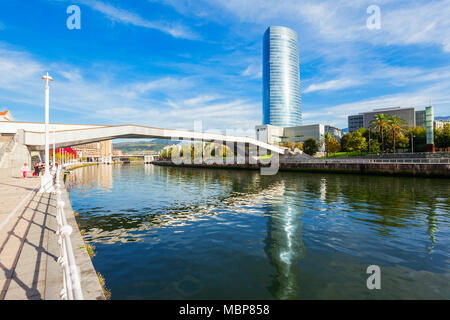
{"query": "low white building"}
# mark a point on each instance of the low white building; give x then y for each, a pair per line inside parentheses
(278, 135)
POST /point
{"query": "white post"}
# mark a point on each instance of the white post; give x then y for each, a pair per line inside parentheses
(46, 179)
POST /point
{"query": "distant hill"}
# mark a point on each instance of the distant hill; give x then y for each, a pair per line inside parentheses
(447, 118)
(137, 147)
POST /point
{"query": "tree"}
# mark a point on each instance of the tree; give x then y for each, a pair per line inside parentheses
(288, 144)
(344, 141)
(380, 124)
(403, 142)
(442, 136)
(333, 146)
(397, 126)
(374, 146)
(298, 145)
(357, 142)
(327, 137)
(310, 146)
(419, 138)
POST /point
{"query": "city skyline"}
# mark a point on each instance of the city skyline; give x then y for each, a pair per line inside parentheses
(168, 64)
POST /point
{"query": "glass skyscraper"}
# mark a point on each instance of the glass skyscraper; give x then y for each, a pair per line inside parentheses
(281, 78)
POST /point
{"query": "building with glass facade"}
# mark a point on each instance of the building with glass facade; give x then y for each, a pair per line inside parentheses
(281, 78)
(420, 119)
(409, 115)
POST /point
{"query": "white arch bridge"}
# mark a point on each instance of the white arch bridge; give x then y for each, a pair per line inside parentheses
(32, 135)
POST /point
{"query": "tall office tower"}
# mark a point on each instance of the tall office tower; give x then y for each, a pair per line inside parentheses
(281, 78)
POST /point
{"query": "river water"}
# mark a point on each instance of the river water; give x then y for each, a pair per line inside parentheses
(184, 233)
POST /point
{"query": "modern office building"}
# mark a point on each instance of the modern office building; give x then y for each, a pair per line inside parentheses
(355, 122)
(364, 119)
(281, 78)
(420, 118)
(282, 114)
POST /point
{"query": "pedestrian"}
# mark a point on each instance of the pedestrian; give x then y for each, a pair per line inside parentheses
(36, 169)
(25, 170)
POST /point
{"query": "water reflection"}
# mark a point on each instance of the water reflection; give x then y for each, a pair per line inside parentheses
(101, 176)
(284, 247)
(211, 226)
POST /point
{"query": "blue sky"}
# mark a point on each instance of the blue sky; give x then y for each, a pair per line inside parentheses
(169, 63)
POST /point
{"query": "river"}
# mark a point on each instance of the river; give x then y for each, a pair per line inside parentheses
(185, 233)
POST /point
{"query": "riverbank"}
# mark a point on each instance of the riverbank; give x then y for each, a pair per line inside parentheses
(92, 277)
(92, 289)
(430, 170)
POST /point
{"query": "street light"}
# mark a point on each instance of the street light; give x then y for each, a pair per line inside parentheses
(46, 179)
(412, 143)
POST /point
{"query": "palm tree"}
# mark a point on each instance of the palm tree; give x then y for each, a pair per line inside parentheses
(397, 126)
(380, 123)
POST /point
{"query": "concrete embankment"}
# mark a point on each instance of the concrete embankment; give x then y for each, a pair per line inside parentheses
(90, 284)
(396, 169)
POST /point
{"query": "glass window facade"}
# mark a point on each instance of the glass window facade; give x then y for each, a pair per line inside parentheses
(281, 78)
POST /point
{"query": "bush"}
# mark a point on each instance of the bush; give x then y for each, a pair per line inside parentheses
(310, 146)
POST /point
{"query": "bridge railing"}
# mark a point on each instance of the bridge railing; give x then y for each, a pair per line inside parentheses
(367, 161)
(71, 278)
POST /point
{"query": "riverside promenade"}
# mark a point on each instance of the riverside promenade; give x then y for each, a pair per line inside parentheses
(29, 249)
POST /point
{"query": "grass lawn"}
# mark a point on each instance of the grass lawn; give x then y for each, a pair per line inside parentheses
(346, 154)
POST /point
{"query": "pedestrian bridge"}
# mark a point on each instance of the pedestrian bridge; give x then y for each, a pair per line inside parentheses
(32, 135)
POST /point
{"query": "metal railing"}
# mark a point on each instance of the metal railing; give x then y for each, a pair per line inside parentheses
(367, 161)
(71, 275)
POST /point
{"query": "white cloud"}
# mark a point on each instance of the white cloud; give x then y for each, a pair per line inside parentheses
(127, 17)
(336, 84)
(165, 83)
(402, 22)
(253, 71)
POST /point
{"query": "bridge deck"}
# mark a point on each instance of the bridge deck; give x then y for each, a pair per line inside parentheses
(73, 135)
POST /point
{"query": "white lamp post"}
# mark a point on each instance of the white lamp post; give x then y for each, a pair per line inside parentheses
(46, 179)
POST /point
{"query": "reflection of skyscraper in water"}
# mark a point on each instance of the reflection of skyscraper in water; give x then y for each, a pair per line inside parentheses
(284, 246)
(323, 189)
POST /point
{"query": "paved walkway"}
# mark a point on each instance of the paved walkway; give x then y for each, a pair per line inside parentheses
(28, 265)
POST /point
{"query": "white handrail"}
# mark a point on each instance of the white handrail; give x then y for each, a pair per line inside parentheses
(362, 161)
(71, 276)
